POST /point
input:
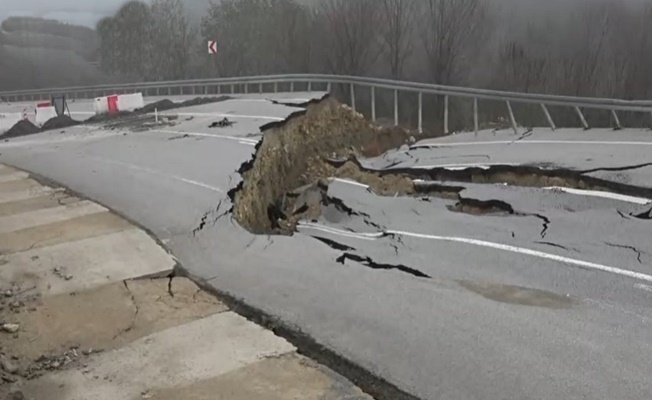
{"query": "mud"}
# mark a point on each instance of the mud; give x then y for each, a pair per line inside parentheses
(518, 295)
(296, 153)
(59, 122)
(21, 128)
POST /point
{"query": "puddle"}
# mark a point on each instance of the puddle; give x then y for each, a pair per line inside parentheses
(518, 295)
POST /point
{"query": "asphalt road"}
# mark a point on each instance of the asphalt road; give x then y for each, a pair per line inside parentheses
(513, 307)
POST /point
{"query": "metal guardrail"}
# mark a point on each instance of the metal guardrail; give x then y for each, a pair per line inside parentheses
(354, 82)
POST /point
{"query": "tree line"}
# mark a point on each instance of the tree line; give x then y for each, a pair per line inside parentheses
(598, 48)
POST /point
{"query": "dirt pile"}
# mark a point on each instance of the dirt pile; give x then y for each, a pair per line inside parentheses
(22, 128)
(299, 152)
(60, 122)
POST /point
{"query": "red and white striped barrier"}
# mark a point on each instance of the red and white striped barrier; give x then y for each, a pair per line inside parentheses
(116, 103)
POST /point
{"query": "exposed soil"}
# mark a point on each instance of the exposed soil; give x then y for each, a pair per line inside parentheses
(287, 180)
(59, 122)
(21, 128)
(299, 152)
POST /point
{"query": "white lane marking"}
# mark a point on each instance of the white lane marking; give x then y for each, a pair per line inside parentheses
(349, 182)
(238, 139)
(641, 286)
(580, 142)
(454, 167)
(159, 173)
(492, 245)
(606, 195)
(223, 115)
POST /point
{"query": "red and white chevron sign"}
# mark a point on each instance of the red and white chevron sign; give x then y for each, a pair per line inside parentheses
(212, 47)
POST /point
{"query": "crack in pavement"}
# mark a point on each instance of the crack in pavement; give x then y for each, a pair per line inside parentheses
(617, 169)
(555, 245)
(647, 215)
(204, 220)
(368, 262)
(133, 321)
(333, 244)
(620, 246)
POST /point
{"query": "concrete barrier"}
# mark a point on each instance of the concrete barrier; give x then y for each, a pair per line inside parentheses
(130, 102)
(101, 105)
(8, 120)
(125, 102)
(44, 114)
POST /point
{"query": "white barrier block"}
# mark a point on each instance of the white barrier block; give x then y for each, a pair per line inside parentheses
(101, 105)
(8, 120)
(130, 102)
(44, 114)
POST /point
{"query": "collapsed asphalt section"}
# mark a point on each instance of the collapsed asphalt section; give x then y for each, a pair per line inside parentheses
(287, 179)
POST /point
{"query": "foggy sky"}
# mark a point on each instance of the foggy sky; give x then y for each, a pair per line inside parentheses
(81, 12)
(88, 12)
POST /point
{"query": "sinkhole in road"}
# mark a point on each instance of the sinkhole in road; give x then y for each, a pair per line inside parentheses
(287, 179)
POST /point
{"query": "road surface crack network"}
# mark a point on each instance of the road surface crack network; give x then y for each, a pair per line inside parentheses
(634, 249)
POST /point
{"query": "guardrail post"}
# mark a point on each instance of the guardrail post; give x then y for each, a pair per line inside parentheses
(446, 115)
(310, 86)
(616, 120)
(219, 89)
(512, 118)
(420, 112)
(291, 86)
(476, 122)
(353, 97)
(275, 87)
(395, 107)
(246, 88)
(328, 87)
(548, 117)
(373, 104)
(232, 89)
(194, 90)
(582, 119)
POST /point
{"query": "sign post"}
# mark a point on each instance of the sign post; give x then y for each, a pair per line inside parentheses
(212, 47)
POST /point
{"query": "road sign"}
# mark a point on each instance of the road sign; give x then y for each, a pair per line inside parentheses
(212, 47)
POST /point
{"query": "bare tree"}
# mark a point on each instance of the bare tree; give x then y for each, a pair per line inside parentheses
(451, 26)
(172, 40)
(397, 17)
(350, 34)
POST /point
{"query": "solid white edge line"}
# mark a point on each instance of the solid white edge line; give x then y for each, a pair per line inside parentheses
(155, 172)
(606, 195)
(582, 142)
(492, 245)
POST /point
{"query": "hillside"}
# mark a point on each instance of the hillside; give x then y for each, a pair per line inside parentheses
(36, 52)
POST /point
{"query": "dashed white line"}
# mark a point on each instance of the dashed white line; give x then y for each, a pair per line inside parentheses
(223, 115)
(238, 139)
(492, 245)
(155, 172)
